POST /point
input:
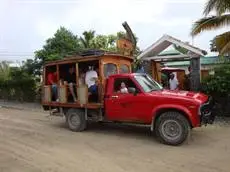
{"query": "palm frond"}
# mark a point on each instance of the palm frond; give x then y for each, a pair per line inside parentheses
(220, 6)
(83, 42)
(88, 37)
(210, 23)
(226, 49)
(222, 42)
(4, 70)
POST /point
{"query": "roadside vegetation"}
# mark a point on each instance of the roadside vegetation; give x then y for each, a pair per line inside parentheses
(22, 83)
(217, 85)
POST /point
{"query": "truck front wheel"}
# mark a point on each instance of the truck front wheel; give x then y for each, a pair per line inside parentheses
(172, 128)
(76, 119)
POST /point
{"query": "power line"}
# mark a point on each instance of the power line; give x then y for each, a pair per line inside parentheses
(8, 53)
(16, 55)
(5, 51)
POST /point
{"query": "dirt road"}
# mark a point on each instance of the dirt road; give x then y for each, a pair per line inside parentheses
(34, 142)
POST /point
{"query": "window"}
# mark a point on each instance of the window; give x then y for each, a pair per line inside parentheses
(147, 83)
(127, 81)
(124, 68)
(110, 69)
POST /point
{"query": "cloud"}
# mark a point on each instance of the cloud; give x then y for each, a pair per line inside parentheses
(183, 21)
(104, 16)
(26, 24)
(46, 28)
(107, 16)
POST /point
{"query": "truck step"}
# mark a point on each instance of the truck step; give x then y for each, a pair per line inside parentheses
(55, 113)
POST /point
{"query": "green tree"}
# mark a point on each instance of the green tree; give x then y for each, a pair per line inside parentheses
(121, 34)
(63, 43)
(104, 42)
(213, 46)
(90, 40)
(222, 18)
(30, 67)
(87, 38)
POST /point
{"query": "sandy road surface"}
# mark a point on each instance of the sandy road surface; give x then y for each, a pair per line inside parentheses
(32, 141)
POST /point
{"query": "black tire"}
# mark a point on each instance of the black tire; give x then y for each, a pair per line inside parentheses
(76, 120)
(172, 128)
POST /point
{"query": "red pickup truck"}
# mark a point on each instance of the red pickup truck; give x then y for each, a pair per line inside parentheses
(170, 114)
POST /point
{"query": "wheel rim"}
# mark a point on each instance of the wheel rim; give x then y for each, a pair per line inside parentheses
(75, 120)
(171, 129)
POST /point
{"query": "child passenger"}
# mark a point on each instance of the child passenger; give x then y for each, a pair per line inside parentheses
(123, 88)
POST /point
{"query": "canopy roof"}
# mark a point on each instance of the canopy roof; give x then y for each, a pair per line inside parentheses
(154, 51)
(171, 69)
(207, 60)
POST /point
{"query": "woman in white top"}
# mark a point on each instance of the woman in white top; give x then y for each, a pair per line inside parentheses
(123, 88)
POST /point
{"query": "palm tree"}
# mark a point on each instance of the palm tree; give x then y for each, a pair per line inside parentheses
(4, 70)
(222, 18)
(87, 38)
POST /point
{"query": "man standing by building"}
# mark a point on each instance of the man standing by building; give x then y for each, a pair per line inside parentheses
(173, 82)
(188, 79)
(140, 69)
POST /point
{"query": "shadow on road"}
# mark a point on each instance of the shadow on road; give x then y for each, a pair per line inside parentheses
(199, 137)
(116, 129)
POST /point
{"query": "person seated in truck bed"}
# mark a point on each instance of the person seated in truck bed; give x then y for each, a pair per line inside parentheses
(91, 79)
(71, 80)
(52, 80)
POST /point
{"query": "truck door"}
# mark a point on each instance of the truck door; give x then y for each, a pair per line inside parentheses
(124, 106)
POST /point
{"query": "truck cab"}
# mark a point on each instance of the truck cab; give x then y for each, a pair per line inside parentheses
(128, 97)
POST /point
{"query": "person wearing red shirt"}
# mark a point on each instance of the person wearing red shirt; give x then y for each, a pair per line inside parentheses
(52, 80)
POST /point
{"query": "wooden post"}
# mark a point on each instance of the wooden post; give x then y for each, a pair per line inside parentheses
(44, 83)
(77, 75)
(44, 76)
(195, 74)
(58, 79)
(58, 74)
(101, 82)
(156, 74)
(147, 64)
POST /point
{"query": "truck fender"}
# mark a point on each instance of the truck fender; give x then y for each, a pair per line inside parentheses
(183, 109)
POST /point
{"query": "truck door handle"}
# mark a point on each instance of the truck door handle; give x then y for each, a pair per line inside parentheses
(114, 97)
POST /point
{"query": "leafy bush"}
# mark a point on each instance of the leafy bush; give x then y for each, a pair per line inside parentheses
(19, 85)
(20, 90)
(218, 86)
(219, 83)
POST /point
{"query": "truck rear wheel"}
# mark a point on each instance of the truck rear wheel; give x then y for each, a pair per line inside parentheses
(172, 128)
(76, 120)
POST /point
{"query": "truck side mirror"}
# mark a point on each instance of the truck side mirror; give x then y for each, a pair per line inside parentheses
(132, 90)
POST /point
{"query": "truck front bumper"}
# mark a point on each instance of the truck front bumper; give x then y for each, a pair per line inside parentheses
(206, 111)
(207, 118)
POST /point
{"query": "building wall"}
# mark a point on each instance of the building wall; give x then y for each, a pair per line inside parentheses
(203, 67)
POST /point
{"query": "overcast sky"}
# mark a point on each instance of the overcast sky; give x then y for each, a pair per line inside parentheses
(26, 24)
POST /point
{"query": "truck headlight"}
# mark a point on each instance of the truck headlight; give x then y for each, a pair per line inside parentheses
(199, 110)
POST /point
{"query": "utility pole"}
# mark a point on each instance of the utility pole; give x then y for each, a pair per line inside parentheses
(192, 41)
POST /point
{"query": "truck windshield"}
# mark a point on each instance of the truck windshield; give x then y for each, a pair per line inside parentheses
(147, 83)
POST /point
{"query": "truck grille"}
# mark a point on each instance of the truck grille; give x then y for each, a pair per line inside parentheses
(207, 106)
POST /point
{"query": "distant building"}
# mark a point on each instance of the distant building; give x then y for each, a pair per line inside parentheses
(208, 63)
